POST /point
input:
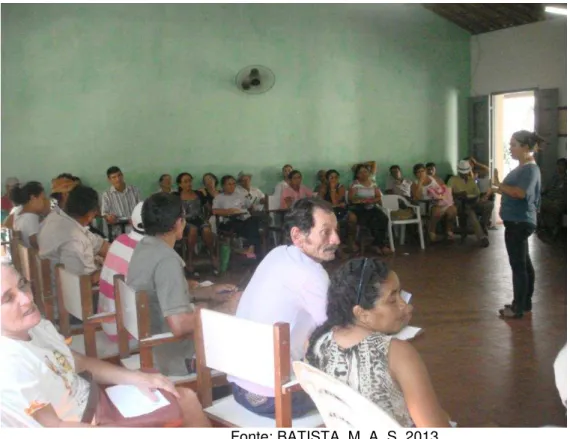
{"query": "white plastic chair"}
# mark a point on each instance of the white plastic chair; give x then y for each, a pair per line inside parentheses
(340, 406)
(391, 203)
(254, 352)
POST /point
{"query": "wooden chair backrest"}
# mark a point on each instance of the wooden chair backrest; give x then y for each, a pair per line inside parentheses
(254, 352)
(74, 296)
(340, 406)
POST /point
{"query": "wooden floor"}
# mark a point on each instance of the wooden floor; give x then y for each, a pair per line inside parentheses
(486, 371)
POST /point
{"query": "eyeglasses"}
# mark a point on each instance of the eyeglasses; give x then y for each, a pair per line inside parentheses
(365, 274)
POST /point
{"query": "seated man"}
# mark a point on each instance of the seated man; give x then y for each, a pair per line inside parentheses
(119, 200)
(64, 238)
(253, 196)
(553, 203)
(471, 204)
(397, 184)
(157, 269)
(290, 285)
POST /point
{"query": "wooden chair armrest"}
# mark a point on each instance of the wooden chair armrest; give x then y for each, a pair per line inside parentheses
(291, 386)
(158, 339)
(102, 317)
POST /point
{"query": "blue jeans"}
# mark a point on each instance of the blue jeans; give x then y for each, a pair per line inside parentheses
(516, 241)
(301, 403)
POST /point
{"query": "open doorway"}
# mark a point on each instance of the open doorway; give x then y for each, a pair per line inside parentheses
(511, 112)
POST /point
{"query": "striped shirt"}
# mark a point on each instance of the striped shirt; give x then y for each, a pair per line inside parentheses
(120, 204)
(116, 262)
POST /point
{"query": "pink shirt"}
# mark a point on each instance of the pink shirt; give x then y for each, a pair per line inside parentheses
(288, 191)
(116, 262)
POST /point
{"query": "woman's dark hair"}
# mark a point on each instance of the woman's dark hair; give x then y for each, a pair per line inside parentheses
(532, 140)
(343, 293)
(162, 177)
(394, 167)
(211, 175)
(20, 195)
(358, 168)
(81, 201)
(293, 173)
(160, 212)
(225, 178)
(418, 166)
(302, 214)
(331, 172)
(180, 176)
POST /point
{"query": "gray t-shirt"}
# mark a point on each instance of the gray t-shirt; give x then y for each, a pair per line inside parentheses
(236, 200)
(157, 269)
(526, 177)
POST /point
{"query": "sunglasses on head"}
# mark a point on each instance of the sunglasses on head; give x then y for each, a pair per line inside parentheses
(365, 274)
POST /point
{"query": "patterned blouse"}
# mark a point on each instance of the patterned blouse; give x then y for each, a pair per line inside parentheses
(364, 367)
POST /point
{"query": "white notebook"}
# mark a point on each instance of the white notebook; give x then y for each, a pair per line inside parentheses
(131, 402)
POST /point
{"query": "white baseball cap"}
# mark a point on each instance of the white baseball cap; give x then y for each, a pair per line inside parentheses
(136, 218)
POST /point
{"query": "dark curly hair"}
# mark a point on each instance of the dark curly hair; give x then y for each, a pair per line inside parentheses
(343, 292)
(417, 167)
(331, 172)
(180, 176)
(357, 170)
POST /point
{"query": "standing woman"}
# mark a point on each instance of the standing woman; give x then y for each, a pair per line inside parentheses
(520, 202)
(195, 223)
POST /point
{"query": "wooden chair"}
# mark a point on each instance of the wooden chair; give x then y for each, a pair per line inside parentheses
(15, 240)
(340, 406)
(251, 351)
(392, 203)
(42, 281)
(75, 297)
(133, 320)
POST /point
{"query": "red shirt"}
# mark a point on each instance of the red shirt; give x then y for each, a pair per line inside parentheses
(7, 203)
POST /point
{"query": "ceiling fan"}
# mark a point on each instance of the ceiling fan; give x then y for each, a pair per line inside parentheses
(255, 79)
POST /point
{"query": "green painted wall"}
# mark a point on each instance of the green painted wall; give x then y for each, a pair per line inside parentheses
(150, 88)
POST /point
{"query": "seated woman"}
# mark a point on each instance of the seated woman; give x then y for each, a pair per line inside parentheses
(355, 345)
(364, 196)
(285, 171)
(321, 180)
(433, 188)
(40, 374)
(34, 204)
(209, 191)
(295, 191)
(233, 206)
(165, 183)
(335, 193)
(195, 222)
